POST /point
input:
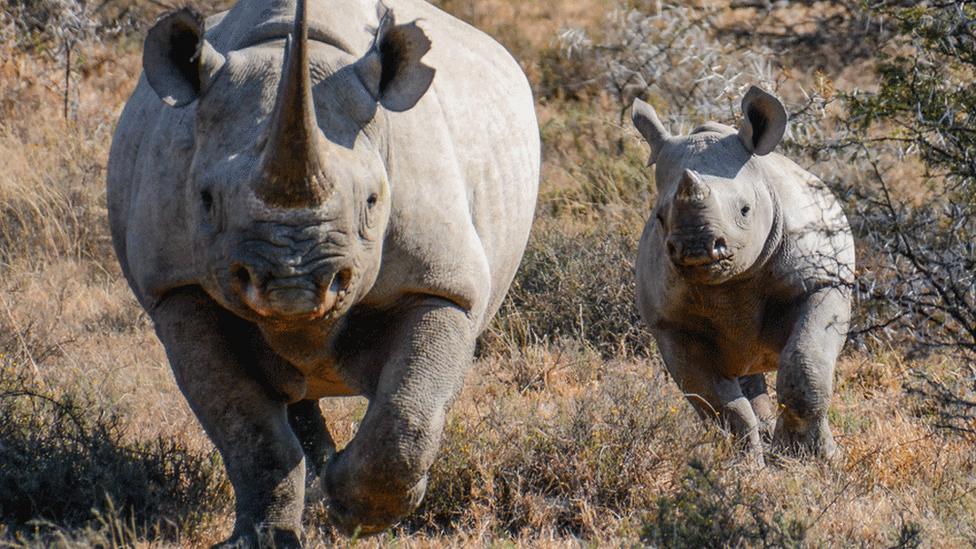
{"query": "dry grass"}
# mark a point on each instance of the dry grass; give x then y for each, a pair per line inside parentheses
(567, 434)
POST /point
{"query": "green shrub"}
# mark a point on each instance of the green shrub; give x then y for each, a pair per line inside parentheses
(924, 109)
(577, 284)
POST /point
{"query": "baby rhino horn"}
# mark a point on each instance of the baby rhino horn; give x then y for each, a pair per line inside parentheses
(692, 189)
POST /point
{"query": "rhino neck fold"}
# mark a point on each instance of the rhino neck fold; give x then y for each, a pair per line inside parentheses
(774, 240)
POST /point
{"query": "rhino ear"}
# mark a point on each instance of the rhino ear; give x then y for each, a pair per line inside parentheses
(392, 70)
(179, 63)
(649, 126)
(763, 122)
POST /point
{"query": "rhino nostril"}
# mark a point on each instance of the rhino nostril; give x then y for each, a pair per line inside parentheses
(341, 281)
(241, 275)
(720, 248)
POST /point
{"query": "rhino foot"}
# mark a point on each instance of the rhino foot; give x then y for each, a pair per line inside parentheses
(359, 507)
(265, 538)
(754, 389)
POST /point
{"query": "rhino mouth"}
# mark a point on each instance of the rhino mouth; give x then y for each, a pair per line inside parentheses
(294, 299)
(706, 270)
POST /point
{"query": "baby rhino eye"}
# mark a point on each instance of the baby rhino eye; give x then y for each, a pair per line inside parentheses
(745, 210)
(371, 201)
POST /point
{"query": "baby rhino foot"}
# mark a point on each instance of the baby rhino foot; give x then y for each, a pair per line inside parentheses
(816, 441)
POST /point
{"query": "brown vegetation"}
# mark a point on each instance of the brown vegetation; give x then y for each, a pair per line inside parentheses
(568, 432)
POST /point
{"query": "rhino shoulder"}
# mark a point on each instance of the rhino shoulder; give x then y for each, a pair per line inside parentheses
(431, 245)
(461, 216)
(818, 241)
(150, 156)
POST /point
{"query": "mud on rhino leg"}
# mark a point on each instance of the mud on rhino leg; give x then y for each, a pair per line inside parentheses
(754, 389)
(211, 353)
(420, 358)
(306, 420)
(805, 380)
(691, 363)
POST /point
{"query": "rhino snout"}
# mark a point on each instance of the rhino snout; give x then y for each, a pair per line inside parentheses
(306, 296)
(685, 252)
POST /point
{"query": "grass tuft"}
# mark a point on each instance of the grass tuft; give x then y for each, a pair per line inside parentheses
(66, 465)
(707, 511)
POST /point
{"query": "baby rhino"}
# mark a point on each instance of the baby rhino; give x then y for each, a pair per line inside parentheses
(745, 267)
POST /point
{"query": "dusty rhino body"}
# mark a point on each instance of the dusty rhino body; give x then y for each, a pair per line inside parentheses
(338, 213)
(745, 267)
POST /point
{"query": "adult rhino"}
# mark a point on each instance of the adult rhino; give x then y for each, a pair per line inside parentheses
(316, 201)
(745, 267)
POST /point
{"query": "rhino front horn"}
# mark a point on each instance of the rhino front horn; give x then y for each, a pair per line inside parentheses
(292, 174)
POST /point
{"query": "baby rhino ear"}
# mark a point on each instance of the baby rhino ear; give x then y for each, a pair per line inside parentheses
(650, 127)
(763, 122)
(392, 70)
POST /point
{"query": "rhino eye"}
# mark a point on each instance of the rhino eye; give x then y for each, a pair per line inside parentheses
(207, 200)
(371, 201)
(745, 210)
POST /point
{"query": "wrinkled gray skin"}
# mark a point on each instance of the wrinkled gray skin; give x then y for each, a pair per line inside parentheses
(745, 267)
(343, 219)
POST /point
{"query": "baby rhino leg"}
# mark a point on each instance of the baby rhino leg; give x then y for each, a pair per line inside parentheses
(806, 374)
(754, 389)
(712, 395)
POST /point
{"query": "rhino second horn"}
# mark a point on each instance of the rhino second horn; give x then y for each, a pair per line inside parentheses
(292, 174)
(692, 188)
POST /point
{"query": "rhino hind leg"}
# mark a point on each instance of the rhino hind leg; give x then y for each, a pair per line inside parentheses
(804, 383)
(713, 396)
(213, 359)
(754, 389)
(308, 423)
(420, 359)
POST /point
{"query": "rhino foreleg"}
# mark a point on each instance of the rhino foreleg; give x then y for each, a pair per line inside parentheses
(805, 380)
(211, 353)
(691, 364)
(306, 420)
(382, 474)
